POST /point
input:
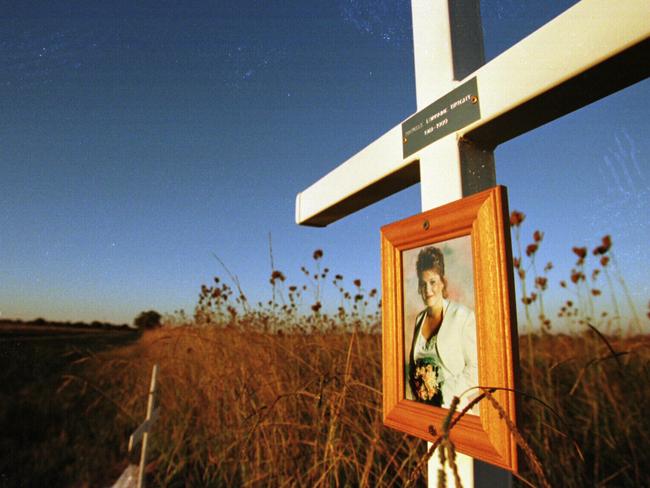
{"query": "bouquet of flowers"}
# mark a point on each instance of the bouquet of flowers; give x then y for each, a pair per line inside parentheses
(425, 383)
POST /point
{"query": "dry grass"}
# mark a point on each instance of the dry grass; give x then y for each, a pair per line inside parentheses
(587, 388)
(242, 407)
(594, 429)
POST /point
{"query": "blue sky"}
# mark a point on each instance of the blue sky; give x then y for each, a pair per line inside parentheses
(139, 138)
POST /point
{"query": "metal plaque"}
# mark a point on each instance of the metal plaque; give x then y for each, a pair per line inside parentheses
(457, 109)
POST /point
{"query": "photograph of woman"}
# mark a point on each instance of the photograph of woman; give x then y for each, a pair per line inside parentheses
(442, 360)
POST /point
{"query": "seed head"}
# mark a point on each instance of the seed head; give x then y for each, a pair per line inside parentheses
(516, 218)
(577, 276)
(581, 252)
(531, 249)
(276, 276)
(606, 243)
(530, 299)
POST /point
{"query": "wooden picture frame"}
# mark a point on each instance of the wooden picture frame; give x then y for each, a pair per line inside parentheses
(483, 220)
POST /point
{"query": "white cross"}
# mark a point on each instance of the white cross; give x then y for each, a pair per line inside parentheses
(593, 49)
(142, 432)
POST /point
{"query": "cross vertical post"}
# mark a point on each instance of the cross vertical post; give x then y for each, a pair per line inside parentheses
(447, 45)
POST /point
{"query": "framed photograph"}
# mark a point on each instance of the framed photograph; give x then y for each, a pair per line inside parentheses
(449, 325)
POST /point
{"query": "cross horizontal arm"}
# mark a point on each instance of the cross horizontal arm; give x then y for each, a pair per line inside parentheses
(593, 49)
(375, 172)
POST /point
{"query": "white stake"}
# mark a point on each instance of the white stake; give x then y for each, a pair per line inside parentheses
(142, 432)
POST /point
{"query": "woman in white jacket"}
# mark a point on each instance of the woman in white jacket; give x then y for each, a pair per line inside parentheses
(443, 358)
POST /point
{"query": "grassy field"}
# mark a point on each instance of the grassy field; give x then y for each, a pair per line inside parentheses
(242, 406)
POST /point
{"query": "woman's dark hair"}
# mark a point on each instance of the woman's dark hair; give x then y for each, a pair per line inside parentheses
(431, 258)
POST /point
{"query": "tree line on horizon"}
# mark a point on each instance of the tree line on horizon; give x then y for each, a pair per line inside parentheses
(145, 320)
(41, 322)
